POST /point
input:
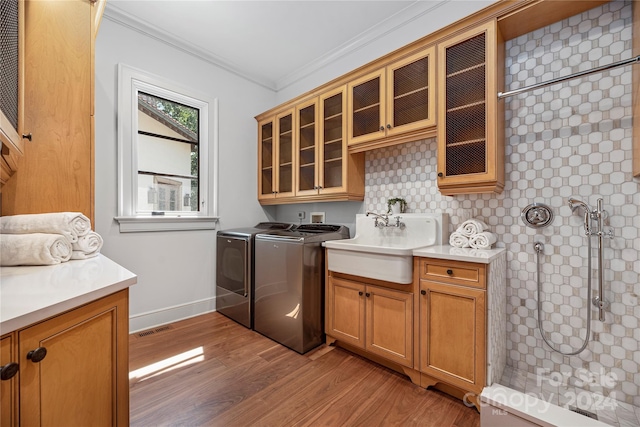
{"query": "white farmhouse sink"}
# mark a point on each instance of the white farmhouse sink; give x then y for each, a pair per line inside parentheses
(386, 253)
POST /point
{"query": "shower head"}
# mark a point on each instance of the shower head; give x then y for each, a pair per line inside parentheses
(575, 204)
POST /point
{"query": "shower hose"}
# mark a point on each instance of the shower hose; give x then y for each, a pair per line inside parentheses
(538, 248)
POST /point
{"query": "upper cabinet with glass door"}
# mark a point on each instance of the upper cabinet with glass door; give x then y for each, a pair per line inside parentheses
(471, 121)
(276, 156)
(393, 104)
(325, 170)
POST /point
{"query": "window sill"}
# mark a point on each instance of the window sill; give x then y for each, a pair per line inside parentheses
(137, 224)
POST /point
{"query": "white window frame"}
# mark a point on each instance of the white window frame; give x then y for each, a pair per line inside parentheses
(130, 82)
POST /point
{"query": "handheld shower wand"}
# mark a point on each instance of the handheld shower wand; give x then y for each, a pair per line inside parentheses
(574, 204)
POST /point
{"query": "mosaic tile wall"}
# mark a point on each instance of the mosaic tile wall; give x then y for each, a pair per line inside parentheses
(567, 140)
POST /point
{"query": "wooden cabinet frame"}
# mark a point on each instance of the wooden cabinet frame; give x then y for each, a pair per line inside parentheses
(365, 316)
(492, 179)
(389, 133)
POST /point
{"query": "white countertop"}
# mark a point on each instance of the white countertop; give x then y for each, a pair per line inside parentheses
(484, 256)
(30, 294)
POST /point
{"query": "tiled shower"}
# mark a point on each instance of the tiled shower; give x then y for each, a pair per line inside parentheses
(568, 140)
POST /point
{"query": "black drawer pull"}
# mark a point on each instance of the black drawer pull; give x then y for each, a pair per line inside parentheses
(423, 292)
(37, 355)
(449, 272)
(8, 371)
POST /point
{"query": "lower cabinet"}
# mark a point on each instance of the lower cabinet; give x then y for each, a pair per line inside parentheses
(453, 325)
(376, 319)
(73, 368)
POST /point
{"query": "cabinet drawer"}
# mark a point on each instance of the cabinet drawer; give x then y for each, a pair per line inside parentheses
(456, 272)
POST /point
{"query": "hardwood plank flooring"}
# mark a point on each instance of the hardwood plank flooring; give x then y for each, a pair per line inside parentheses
(211, 371)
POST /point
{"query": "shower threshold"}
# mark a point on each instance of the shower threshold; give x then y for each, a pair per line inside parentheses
(541, 401)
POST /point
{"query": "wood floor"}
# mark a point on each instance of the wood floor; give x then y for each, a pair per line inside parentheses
(211, 371)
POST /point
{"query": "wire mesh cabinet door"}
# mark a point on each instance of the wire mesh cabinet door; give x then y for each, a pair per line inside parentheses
(470, 142)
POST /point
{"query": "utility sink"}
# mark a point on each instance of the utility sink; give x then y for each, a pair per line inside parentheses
(386, 252)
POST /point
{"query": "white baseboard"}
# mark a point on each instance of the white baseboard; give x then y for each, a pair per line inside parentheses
(162, 316)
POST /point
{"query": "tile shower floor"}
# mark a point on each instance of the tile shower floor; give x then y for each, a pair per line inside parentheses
(557, 392)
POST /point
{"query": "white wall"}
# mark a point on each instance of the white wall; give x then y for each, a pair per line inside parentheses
(174, 282)
(361, 52)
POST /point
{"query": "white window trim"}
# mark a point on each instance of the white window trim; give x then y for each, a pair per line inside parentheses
(130, 81)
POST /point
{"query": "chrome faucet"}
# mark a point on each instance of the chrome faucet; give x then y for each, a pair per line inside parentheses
(384, 218)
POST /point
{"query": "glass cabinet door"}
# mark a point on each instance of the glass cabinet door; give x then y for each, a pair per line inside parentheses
(284, 154)
(333, 146)
(366, 109)
(411, 93)
(307, 148)
(266, 175)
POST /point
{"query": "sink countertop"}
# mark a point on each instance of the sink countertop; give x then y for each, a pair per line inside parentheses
(484, 256)
(29, 294)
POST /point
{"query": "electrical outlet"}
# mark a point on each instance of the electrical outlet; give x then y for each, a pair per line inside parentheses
(301, 215)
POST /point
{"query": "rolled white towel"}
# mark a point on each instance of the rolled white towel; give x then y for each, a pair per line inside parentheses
(483, 240)
(471, 227)
(34, 249)
(70, 224)
(458, 240)
(87, 246)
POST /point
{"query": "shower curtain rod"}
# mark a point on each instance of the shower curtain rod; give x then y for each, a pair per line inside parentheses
(635, 60)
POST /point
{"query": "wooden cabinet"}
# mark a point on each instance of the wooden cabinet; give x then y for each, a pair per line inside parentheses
(303, 154)
(9, 383)
(276, 155)
(471, 120)
(56, 172)
(453, 324)
(83, 377)
(392, 101)
(12, 101)
(376, 319)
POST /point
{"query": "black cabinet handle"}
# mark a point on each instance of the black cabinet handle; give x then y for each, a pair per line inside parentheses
(9, 370)
(37, 355)
(449, 272)
(388, 126)
(360, 293)
(423, 292)
(367, 294)
(381, 127)
(440, 174)
(27, 136)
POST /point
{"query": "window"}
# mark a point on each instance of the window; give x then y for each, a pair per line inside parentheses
(167, 139)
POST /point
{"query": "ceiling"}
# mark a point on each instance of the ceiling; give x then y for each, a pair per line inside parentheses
(269, 42)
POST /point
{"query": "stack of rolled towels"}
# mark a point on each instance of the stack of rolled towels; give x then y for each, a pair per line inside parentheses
(47, 239)
(473, 234)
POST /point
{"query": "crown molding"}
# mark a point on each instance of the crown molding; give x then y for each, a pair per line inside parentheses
(118, 16)
(414, 11)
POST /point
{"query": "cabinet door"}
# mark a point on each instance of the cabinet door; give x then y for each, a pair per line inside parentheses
(83, 379)
(306, 178)
(333, 142)
(452, 334)
(470, 149)
(389, 322)
(345, 311)
(411, 93)
(8, 391)
(266, 154)
(366, 108)
(285, 154)
(56, 171)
